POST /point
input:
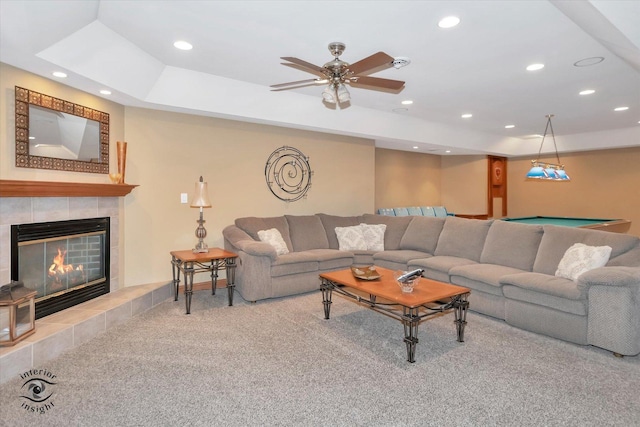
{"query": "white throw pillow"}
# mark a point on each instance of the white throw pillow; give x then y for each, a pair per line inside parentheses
(351, 238)
(374, 236)
(273, 237)
(581, 258)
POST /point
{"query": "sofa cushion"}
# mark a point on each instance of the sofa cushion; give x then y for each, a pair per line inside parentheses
(580, 258)
(396, 227)
(440, 264)
(273, 237)
(330, 222)
(566, 305)
(307, 232)
(557, 239)
(631, 258)
(546, 284)
(374, 236)
(512, 244)
(351, 238)
(422, 234)
(331, 259)
(251, 226)
(474, 275)
(294, 263)
(402, 256)
(462, 237)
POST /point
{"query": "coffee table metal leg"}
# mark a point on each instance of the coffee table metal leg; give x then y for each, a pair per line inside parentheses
(188, 285)
(460, 305)
(326, 288)
(410, 320)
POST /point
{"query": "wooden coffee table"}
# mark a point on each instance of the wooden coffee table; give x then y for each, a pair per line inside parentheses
(428, 298)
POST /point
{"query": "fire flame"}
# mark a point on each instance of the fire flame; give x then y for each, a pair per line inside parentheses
(59, 267)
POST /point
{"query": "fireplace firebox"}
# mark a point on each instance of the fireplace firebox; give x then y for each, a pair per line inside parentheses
(66, 262)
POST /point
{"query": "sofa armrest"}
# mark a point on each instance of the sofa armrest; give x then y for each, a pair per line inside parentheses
(609, 276)
(614, 308)
(242, 241)
(254, 248)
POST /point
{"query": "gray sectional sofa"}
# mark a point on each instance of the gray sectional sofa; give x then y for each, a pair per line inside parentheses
(509, 267)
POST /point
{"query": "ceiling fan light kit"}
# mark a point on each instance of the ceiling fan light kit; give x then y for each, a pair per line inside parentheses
(338, 73)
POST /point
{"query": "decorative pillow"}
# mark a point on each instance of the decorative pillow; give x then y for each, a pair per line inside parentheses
(273, 237)
(351, 238)
(581, 258)
(374, 236)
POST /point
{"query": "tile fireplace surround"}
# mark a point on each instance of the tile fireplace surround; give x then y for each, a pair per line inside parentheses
(71, 327)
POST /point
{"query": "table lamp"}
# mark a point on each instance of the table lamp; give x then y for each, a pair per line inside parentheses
(201, 200)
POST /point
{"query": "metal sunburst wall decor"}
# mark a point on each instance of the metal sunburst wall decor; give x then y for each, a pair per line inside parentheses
(288, 174)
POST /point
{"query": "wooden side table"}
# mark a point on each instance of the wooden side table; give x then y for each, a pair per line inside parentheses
(213, 261)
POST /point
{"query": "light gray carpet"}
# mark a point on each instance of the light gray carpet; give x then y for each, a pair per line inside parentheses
(280, 362)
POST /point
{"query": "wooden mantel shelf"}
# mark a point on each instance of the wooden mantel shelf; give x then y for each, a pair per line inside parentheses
(11, 188)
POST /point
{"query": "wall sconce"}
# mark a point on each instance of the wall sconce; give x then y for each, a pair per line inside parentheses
(201, 200)
(548, 171)
(17, 313)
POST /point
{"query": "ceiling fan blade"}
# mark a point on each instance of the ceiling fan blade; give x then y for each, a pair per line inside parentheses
(371, 62)
(298, 82)
(377, 82)
(293, 87)
(305, 66)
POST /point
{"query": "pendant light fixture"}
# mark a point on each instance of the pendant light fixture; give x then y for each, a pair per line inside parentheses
(544, 170)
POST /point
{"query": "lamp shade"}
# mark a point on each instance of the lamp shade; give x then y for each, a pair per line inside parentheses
(201, 195)
(329, 95)
(536, 172)
(562, 175)
(343, 94)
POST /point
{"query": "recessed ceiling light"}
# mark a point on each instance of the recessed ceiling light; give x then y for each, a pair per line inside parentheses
(105, 92)
(60, 74)
(587, 62)
(407, 102)
(535, 67)
(448, 151)
(621, 109)
(449, 22)
(509, 126)
(466, 116)
(587, 92)
(415, 147)
(183, 45)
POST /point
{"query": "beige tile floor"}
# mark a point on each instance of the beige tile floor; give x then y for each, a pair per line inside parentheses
(71, 327)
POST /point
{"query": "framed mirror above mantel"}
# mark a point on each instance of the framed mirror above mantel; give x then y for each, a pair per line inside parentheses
(55, 134)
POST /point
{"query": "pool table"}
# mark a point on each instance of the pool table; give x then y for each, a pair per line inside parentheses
(614, 225)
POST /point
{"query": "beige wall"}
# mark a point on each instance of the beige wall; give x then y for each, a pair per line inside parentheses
(464, 184)
(404, 178)
(167, 152)
(604, 184)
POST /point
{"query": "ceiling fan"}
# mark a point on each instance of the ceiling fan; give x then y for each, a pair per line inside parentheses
(337, 73)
